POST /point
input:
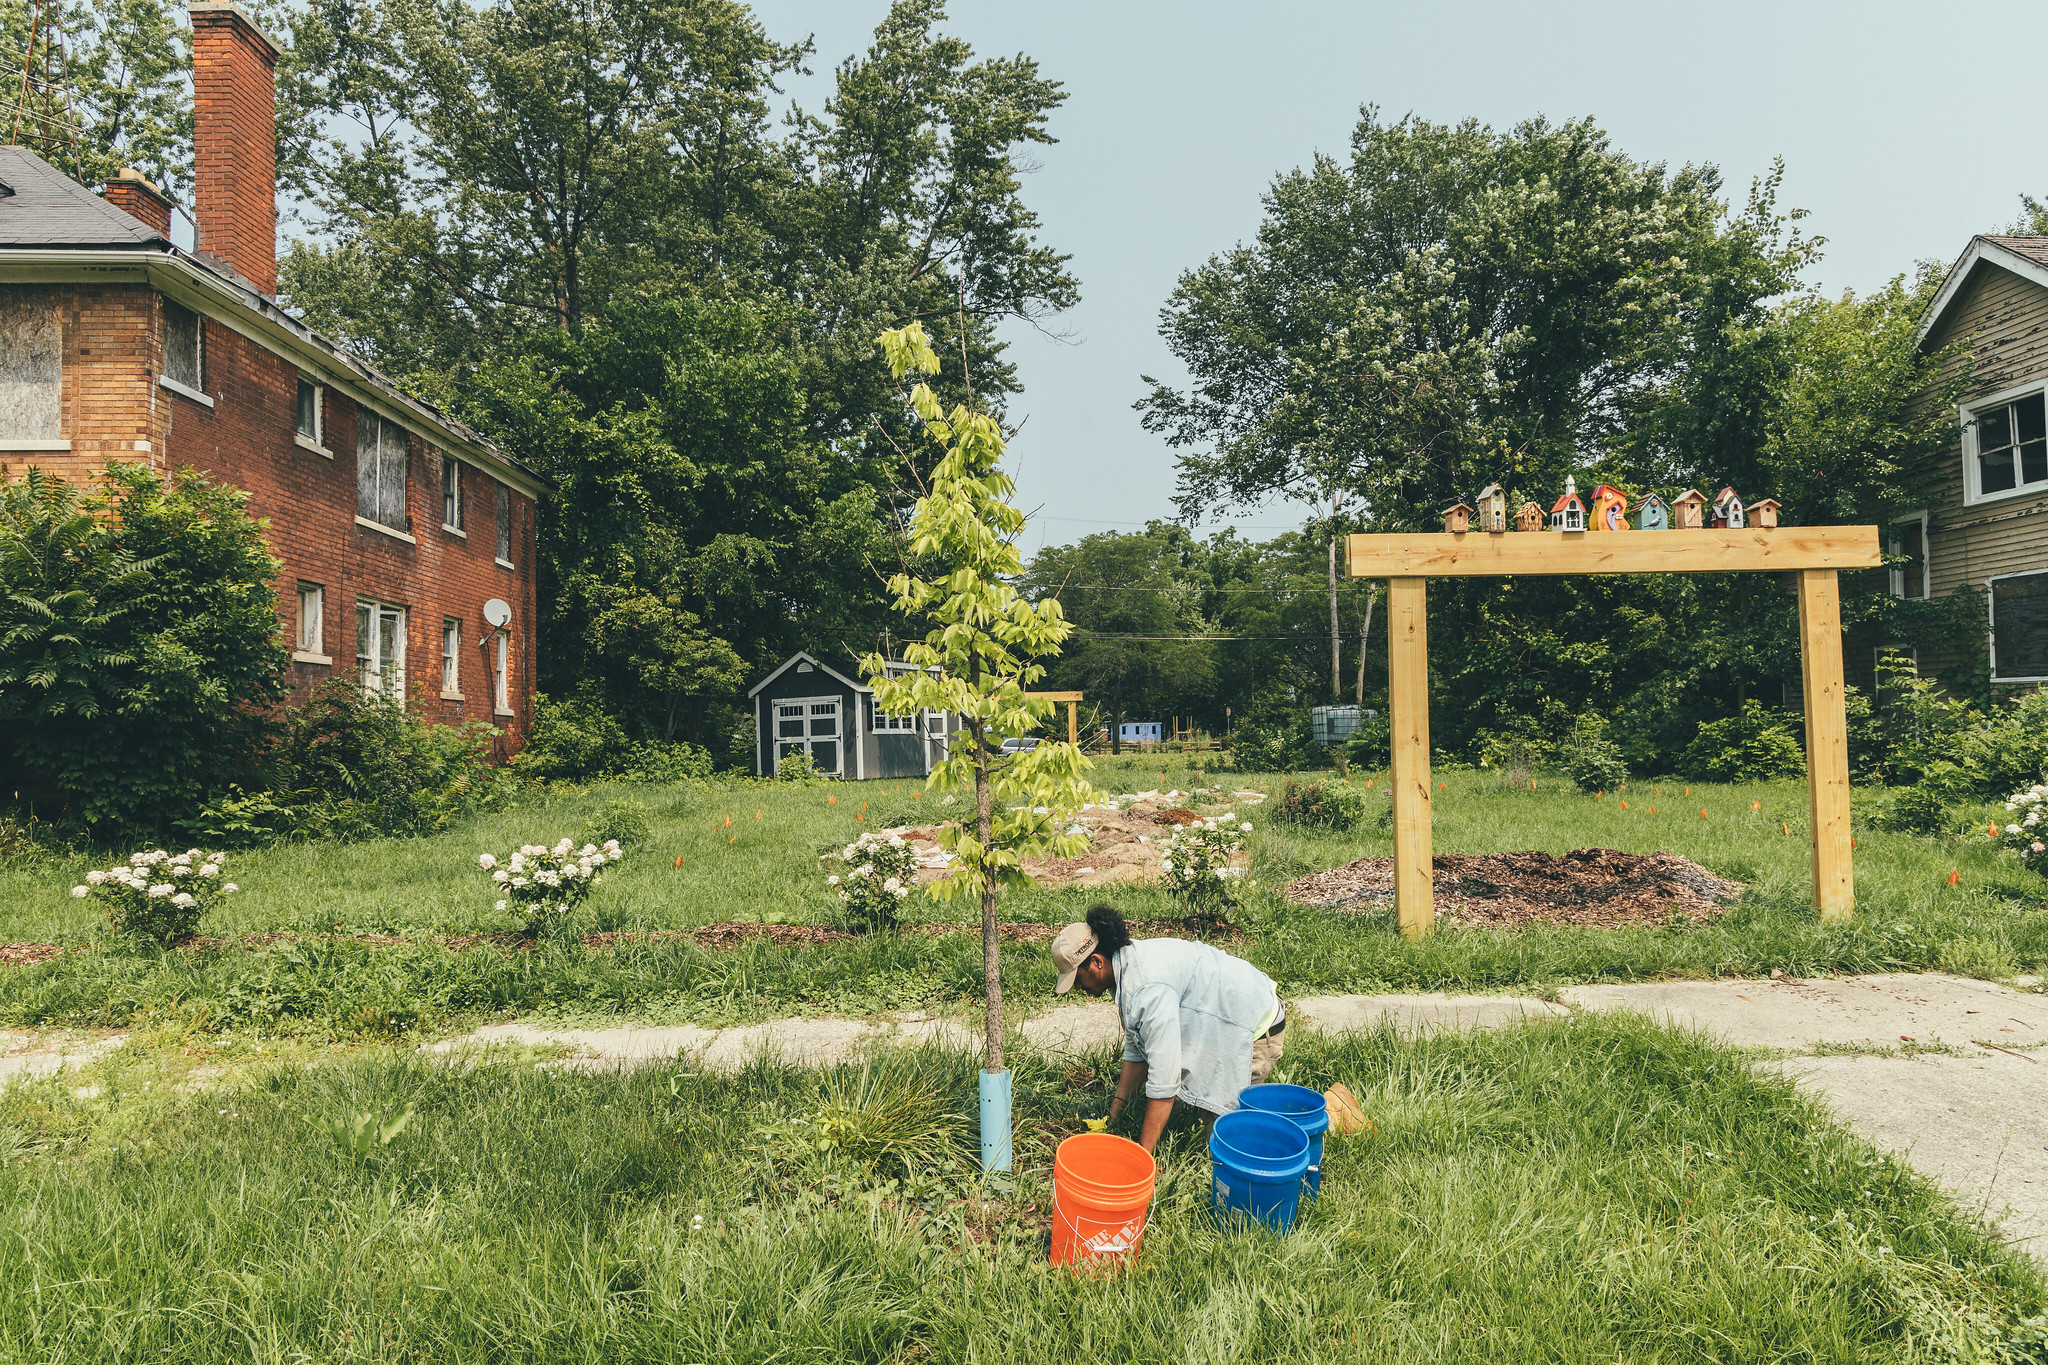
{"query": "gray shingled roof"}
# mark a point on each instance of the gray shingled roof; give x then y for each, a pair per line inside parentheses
(2031, 247)
(45, 207)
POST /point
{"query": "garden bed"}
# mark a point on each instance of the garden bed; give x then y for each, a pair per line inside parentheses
(1600, 888)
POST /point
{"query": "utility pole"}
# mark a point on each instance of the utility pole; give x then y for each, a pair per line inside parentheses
(44, 120)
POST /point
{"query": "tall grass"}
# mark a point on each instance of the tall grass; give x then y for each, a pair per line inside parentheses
(1908, 916)
(1596, 1189)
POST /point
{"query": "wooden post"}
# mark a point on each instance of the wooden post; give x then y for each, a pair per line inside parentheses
(1408, 717)
(1827, 743)
(1073, 726)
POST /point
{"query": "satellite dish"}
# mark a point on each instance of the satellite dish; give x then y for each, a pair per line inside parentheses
(497, 612)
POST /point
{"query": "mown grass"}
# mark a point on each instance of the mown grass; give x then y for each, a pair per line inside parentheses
(764, 867)
(1592, 1189)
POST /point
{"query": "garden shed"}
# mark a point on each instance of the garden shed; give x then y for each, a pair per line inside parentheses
(809, 706)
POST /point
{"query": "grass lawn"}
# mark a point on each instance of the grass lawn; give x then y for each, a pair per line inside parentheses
(1595, 1189)
(697, 868)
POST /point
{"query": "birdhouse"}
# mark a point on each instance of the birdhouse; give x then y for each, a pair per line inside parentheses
(1493, 509)
(1652, 514)
(1610, 508)
(1530, 518)
(1764, 512)
(1688, 509)
(1568, 513)
(1728, 510)
(1458, 520)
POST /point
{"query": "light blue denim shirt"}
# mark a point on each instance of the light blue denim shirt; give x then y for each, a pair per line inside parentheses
(1191, 1013)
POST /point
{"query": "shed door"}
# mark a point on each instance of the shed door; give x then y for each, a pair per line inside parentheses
(808, 725)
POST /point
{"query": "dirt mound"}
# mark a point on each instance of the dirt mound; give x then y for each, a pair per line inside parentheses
(1592, 887)
(1175, 815)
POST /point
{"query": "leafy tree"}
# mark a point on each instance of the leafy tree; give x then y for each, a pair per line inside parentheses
(976, 661)
(139, 647)
(129, 92)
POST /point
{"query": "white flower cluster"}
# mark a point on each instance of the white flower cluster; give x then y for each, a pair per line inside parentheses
(1196, 859)
(159, 894)
(2024, 836)
(879, 870)
(543, 882)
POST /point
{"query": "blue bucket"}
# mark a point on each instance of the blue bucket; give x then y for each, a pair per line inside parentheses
(1256, 1161)
(1306, 1108)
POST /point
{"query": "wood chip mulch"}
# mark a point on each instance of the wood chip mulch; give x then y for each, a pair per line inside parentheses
(1601, 888)
(27, 954)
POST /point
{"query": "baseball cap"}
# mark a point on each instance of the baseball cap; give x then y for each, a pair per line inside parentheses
(1071, 947)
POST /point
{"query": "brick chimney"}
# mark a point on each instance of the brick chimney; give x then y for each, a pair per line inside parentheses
(137, 197)
(234, 139)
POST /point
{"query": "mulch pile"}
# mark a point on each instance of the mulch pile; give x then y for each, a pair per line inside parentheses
(1601, 888)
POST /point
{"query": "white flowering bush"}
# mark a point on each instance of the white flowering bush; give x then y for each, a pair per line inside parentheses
(158, 895)
(2026, 834)
(1195, 859)
(542, 885)
(875, 878)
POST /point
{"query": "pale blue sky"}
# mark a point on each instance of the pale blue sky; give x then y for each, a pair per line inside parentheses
(1904, 128)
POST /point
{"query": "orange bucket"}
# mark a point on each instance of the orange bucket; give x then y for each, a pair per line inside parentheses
(1101, 1192)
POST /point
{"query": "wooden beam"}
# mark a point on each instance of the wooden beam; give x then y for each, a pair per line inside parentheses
(1408, 717)
(1827, 743)
(1479, 554)
(1055, 696)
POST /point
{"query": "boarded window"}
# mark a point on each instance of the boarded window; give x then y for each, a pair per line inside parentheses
(504, 523)
(380, 471)
(31, 370)
(184, 347)
(2019, 627)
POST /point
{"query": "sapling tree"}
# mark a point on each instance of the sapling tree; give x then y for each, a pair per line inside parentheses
(975, 662)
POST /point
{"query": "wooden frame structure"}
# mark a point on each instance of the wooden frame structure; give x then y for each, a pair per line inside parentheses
(1071, 699)
(1815, 553)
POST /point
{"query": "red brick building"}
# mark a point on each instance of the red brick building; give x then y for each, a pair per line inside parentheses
(403, 533)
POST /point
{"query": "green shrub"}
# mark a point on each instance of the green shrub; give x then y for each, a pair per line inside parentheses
(577, 740)
(1371, 744)
(1319, 805)
(1917, 809)
(622, 819)
(1753, 746)
(799, 768)
(1978, 955)
(159, 896)
(1592, 759)
(139, 649)
(1278, 742)
(354, 766)
(655, 761)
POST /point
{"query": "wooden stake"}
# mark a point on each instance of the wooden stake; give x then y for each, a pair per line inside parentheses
(1827, 743)
(1408, 718)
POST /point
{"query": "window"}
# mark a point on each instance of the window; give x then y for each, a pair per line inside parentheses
(184, 347)
(451, 649)
(380, 471)
(504, 524)
(31, 371)
(1909, 538)
(2019, 628)
(380, 649)
(888, 724)
(501, 675)
(2010, 446)
(808, 725)
(309, 411)
(312, 628)
(451, 493)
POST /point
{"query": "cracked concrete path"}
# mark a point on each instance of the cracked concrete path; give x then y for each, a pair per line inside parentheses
(28, 1056)
(797, 1042)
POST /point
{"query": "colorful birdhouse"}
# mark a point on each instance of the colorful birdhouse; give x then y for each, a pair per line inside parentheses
(1458, 520)
(1530, 518)
(1764, 512)
(1568, 513)
(1728, 510)
(1493, 509)
(1652, 514)
(1610, 508)
(1688, 510)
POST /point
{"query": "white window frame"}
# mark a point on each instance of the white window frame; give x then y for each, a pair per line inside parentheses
(451, 658)
(1991, 623)
(811, 706)
(887, 723)
(165, 377)
(451, 480)
(317, 440)
(1898, 574)
(312, 631)
(501, 674)
(370, 666)
(1966, 414)
(385, 428)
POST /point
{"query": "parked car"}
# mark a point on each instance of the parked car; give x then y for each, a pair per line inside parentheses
(1020, 746)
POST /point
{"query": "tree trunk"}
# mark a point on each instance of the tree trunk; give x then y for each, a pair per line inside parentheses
(1336, 640)
(1372, 593)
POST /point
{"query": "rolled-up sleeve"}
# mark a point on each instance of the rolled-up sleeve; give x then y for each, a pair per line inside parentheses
(1152, 1036)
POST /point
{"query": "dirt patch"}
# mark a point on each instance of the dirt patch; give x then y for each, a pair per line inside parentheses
(27, 954)
(730, 937)
(1175, 815)
(1600, 888)
(1122, 839)
(734, 935)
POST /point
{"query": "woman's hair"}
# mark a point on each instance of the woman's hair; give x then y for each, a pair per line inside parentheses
(1112, 935)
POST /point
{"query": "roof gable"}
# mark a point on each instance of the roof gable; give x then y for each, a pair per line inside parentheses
(815, 662)
(45, 207)
(2025, 256)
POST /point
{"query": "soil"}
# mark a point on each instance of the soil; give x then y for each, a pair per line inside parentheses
(1175, 815)
(1600, 888)
(27, 954)
(1121, 842)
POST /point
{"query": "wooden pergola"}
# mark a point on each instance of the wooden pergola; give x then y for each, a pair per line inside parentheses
(1072, 699)
(1815, 553)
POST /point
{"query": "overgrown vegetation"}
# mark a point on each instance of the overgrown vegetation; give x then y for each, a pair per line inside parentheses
(1319, 805)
